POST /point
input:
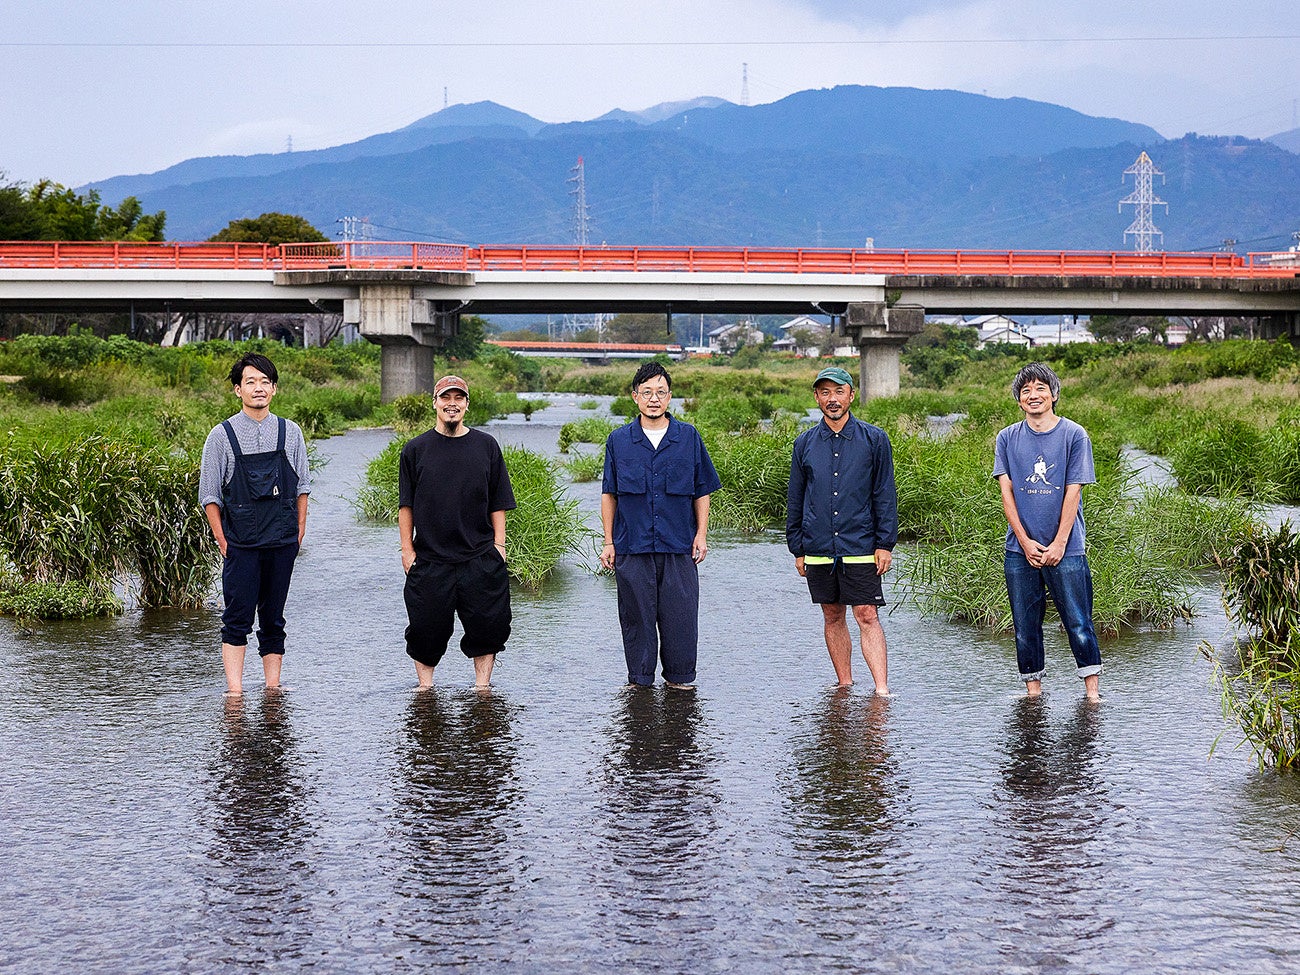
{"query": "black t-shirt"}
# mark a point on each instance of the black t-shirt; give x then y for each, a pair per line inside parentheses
(452, 485)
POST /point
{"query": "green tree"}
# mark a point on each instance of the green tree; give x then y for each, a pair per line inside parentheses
(269, 228)
(50, 211)
(1127, 328)
(646, 329)
(468, 340)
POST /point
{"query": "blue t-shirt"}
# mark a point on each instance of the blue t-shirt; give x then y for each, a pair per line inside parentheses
(1040, 466)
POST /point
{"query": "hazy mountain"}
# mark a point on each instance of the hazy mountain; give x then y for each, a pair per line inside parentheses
(910, 122)
(657, 113)
(1289, 140)
(455, 123)
(906, 167)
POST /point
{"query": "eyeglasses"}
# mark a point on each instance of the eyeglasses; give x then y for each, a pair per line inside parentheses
(654, 394)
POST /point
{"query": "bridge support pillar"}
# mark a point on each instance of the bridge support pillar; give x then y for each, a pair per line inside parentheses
(880, 332)
(1285, 325)
(409, 330)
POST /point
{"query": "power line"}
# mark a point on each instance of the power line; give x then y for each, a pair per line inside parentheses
(838, 42)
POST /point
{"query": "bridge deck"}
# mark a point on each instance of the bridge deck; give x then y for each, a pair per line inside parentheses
(361, 255)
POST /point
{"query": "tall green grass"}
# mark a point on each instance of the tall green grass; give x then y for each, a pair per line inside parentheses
(1260, 692)
(90, 511)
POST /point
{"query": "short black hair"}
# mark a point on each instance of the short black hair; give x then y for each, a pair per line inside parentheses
(648, 371)
(259, 362)
(1039, 372)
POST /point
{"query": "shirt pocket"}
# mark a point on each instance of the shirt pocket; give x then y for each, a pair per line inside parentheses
(679, 478)
(632, 479)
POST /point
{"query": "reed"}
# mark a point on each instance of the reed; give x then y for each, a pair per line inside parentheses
(754, 469)
(1263, 700)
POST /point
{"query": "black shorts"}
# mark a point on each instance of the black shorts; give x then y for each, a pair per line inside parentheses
(478, 591)
(845, 583)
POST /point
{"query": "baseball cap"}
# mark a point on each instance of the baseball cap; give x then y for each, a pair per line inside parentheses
(835, 374)
(450, 382)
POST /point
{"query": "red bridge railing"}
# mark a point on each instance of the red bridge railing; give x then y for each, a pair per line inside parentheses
(746, 260)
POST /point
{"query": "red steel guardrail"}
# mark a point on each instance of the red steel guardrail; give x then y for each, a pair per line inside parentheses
(397, 255)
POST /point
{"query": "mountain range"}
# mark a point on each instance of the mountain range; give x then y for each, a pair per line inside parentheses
(905, 167)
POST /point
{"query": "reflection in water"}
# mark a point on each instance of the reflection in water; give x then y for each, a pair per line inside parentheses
(1056, 806)
(261, 824)
(458, 757)
(657, 821)
(846, 778)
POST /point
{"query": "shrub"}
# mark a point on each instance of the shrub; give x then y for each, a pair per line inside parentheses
(30, 601)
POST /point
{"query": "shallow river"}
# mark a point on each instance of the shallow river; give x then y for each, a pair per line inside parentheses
(767, 822)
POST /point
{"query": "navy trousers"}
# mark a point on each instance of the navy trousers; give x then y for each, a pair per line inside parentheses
(256, 580)
(659, 611)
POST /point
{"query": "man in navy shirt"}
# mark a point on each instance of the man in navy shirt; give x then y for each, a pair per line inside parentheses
(654, 506)
(1041, 464)
(841, 523)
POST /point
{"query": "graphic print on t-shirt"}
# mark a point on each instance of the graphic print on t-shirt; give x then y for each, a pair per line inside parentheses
(1039, 475)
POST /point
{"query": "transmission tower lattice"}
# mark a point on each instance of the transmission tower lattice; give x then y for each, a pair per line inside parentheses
(1143, 199)
(581, 219)
(744, 83)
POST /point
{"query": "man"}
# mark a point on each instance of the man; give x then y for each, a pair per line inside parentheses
(253, 486)
(1041, 464)
(654, 507)
(453, 495)
(841, 523)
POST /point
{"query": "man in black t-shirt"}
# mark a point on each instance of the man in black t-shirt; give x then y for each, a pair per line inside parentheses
(453, 495)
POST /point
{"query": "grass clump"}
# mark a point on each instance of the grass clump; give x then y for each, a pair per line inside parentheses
(585, 467)
(591, 429)
(1261, 594)
(88, 511)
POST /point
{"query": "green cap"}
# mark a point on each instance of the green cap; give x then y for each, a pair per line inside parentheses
(836, 375)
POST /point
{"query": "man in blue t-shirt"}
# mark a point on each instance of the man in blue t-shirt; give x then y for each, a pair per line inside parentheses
(1041, 464)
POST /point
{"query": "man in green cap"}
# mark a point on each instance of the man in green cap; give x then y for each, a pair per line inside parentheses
(841, 523)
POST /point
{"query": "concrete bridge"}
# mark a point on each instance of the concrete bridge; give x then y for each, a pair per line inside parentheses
(408, 297)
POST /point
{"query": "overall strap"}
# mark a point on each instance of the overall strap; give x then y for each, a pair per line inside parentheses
(234, 441)
(279, 443)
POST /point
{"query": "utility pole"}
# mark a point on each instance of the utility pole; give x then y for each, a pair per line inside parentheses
(1142, 199)
(581, 218)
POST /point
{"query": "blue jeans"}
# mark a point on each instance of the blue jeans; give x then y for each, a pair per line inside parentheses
(1070, 584)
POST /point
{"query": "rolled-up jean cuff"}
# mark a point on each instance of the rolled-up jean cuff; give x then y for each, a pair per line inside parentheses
(1091, 671)
(1036, 676)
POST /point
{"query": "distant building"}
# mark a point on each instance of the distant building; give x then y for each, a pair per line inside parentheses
(999, 330)
(806, 336)
(728, 338)
(1061, 332)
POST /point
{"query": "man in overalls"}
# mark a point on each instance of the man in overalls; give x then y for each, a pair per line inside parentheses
(253, 486)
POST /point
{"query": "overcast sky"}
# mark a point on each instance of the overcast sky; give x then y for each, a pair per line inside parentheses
(94, 89)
